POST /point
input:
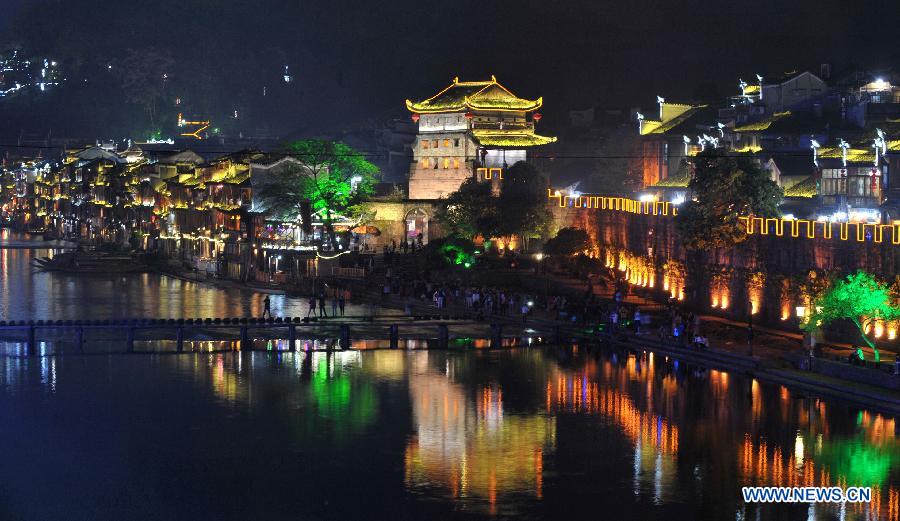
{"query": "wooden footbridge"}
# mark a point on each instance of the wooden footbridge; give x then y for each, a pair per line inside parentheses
(246, 334)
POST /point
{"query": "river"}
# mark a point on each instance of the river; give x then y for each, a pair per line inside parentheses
(29, 294)
(531, 433)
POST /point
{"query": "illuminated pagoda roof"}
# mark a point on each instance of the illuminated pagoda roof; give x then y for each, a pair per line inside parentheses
(510, 138)
(473, 95)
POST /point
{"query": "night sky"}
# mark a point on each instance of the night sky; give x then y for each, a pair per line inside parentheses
(357, 61)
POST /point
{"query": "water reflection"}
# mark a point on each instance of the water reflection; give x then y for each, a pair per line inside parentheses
(466, 447)
(29, 294)
(526, 433)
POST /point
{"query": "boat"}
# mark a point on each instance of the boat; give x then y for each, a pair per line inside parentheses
(91, 262)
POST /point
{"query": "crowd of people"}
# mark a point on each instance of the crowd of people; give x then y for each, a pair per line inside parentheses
(673, 325)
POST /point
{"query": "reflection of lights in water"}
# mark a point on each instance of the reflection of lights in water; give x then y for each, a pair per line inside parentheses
(863, 461)
(48, 369)
(655, 439)
(471, 448)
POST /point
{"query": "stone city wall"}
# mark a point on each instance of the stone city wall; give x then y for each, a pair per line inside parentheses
(775, 271)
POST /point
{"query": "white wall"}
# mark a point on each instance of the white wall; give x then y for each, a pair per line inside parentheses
(442, 122)
(496, 158)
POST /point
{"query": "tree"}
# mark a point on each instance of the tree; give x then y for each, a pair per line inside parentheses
(331, 177)
(568, 241)
(469, 211)
(523, 202)
(144, 75)
(859, 298)
(452, 250)
(725, 187)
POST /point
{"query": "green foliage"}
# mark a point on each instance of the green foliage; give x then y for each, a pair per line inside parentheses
(858, 298)
(331, 177)
(568, 241)
(459, 252)
(470, 211)
(724, 188)
(452, 250)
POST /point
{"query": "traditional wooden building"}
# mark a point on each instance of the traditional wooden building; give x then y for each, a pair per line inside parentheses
(470, 128)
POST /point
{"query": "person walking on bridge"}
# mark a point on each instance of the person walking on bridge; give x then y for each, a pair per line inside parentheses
(322, 312)
(267, 307)
(312, 306)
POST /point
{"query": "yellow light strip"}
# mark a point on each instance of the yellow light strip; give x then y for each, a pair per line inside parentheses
(750, 225)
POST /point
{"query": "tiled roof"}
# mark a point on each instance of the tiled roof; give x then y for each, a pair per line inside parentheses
(764, 124)
(805, 188)
(680, 179)
(501, 138)
(685, 123)
(476, 95)
(854, 155)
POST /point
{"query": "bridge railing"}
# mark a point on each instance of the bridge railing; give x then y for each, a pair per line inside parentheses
(75, 330)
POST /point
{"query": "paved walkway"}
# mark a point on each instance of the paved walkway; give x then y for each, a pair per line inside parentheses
(731, 334)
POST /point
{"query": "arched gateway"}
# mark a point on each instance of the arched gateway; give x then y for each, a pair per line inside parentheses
(417, 225)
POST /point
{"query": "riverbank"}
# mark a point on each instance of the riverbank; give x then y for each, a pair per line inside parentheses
(197, 277)
(766, 364)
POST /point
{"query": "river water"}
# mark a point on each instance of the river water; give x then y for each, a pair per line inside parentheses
(27, 294)
(531, 433)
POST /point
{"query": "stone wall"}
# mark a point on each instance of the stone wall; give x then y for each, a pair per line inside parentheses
(441, 162)
(390, 219)
(773, 272)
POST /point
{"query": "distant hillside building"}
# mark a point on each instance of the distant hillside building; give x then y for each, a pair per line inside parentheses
(470, 128)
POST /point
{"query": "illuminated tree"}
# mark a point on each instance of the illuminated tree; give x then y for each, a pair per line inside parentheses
(332, 177)
(724, 188)
(858, 298)
(470, 211)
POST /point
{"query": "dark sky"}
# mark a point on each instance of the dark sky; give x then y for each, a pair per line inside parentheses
(355, 60)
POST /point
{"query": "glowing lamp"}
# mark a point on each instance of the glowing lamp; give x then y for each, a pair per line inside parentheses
(801, 311)
(469, 116)
(415, 118)
(537, 116)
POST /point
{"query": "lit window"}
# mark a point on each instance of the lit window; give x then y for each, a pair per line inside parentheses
(456, 163)
(434, 143)
(446, 163)
(447, 143)
(425, 144)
